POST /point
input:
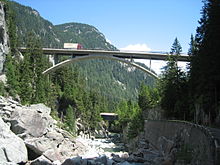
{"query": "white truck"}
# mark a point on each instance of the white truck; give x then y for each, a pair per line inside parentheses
(72, 46)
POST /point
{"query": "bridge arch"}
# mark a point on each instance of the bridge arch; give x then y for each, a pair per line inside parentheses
(82, 58)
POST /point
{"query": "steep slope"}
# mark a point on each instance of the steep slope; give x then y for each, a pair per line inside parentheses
(113, 80)
(84, 34)
(27, 20)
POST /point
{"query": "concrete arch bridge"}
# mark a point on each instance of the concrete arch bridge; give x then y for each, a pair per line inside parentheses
(122, 56)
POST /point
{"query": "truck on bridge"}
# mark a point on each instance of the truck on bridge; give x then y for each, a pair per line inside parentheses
(72, 46)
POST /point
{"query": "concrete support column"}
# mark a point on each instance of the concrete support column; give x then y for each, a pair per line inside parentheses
(56, 59)
(73, 56)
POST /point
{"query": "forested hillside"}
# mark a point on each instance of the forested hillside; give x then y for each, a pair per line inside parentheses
(84, 89)
(113, 80)
(79, 92)
(84, 34)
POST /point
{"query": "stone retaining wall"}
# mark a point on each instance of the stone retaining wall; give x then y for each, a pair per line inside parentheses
(197, 138)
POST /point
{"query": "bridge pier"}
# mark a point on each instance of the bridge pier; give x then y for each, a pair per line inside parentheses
(73, 56)
(56, 59)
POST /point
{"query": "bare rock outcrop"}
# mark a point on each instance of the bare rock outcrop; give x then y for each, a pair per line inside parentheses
(12, 148)
(42, 137)
(4, 48)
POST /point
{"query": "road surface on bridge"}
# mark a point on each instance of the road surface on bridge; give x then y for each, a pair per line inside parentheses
(119, 54)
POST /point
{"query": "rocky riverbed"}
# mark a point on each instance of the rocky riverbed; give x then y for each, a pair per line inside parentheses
(30, 136)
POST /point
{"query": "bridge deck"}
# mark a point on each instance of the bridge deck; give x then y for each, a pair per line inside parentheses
(119, 54)
(109, 116)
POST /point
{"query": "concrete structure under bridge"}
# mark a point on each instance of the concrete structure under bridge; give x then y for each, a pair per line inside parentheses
(109, 116)
(122, 56)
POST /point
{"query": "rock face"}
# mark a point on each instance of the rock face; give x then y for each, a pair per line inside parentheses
(12, 148)
(182, 142)
(32, 121)
(4, 49)
(43, 139)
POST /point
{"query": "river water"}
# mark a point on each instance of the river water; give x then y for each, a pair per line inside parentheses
(104, 146)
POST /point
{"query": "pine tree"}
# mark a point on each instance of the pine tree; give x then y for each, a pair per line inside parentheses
(172, 83)
(70, 120)
(176, 48)
(204, 74)
(12, 82)
(26, 90)
(11, 65)
(41, 81)
(192, 46)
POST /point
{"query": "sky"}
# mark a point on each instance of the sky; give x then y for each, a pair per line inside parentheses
(145, 25)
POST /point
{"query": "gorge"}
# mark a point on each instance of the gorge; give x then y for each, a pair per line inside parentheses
(55, 120)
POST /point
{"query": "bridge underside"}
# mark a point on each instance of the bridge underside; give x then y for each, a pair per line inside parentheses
(109, 116)
(82, 58)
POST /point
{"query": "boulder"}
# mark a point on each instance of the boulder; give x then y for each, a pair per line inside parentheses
(39, 131)
(125, 163)
(102, 159)
(32, 120)
(8, 163)
(41, 108)
(42, 160)
(117, 158)
(12, 148)
(73, 161)
(110, 162)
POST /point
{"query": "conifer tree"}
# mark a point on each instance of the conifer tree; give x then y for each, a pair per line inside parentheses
(70, 119)
(171, 84)
(41, 83)
(192, 46)
(34, 85)
(11, 65)
(176, 48)
(12, 80)
(26, 90)
(204, 74)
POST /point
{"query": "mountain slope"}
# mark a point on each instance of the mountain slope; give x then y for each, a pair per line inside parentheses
(27, 20)
(112, 79)
(84, 34)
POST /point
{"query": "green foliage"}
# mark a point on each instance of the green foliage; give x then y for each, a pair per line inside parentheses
(136, 124)
(2, 89)
(27, 20)
(192, 48)
(11, 65)
(148, 97)
(12, 76)
(25, 81)
(173, 86)
(88, 104)
(70, 120)
(131, 114)
(124, 112)
(84, 34)
(113, 80)
(34, 86)
(204, 73)
(176, 48)
(88, 87)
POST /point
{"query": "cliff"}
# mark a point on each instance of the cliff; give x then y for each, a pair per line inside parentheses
(4, 43)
